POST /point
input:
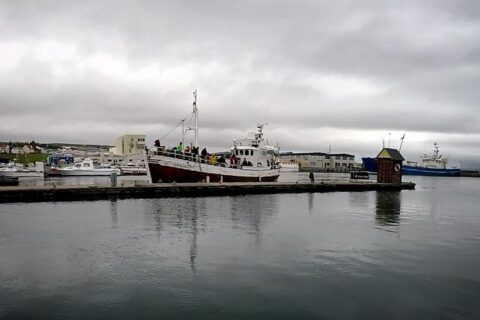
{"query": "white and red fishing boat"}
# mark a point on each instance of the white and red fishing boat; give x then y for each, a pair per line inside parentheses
(249, 160)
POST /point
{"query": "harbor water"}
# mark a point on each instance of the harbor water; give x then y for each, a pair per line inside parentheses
(340, 255)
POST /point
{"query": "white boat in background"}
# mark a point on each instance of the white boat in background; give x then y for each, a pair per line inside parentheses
(432, 165)
(86, 168)
(133, 169)
(19, 170)
(291, 166)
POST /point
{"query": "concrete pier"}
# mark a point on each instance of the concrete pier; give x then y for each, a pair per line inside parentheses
(75, 193)
(470, 173)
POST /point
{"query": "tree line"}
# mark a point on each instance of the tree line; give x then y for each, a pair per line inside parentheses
(20, 144)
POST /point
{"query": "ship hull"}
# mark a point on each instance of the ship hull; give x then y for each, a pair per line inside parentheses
(421, 171)
(166, 169)
(22, 174)
(370, 164)
(95, 173)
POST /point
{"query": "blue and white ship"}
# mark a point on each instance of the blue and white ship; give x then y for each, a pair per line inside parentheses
(431, 165)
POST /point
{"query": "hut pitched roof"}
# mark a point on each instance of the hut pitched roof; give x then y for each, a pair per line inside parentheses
(388, 153)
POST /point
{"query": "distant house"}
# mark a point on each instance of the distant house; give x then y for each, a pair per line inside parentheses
(27, 149)
(3, 148)
(40, 149)
(17, 150)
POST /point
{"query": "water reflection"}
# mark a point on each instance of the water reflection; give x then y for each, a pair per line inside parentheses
(253, 212)
(184, 216)
(198, 205)
(388, 208)
(155, 207)
(64, 260)
(114, 213)
(310, 203)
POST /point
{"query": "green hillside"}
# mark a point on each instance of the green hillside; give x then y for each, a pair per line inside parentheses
(24, 158)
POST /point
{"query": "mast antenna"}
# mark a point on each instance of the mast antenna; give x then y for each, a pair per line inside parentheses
(266, 106)
(401, 143)
(195, 112)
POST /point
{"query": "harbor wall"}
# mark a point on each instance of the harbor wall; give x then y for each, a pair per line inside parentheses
(470, 173)
(74, 193)
(332, 170)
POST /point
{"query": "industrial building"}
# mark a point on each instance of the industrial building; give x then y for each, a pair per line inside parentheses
(320, 161)
(129, 144)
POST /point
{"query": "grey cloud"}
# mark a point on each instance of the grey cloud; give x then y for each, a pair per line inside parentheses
(406, 66)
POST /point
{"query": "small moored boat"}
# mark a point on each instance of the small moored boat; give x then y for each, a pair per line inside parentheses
(19, 170)
(86, 168)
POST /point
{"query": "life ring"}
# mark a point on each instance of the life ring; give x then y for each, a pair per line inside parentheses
(397, 167)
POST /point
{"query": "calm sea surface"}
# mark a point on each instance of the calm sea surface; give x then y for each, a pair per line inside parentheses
(366, 255)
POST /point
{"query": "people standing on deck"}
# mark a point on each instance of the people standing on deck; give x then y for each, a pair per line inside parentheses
(244, 162)
(187, 152)
(312, 177)
(179, 147)
(233, 161)
(195, 153)
(157, 146)
(221, 161)
(212, 159)
(204, 154)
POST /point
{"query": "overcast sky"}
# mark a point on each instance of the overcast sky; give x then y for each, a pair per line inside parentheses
(343, 74)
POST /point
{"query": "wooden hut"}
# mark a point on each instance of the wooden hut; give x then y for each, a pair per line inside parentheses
(389, 166)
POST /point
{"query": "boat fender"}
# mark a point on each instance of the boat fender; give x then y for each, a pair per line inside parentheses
(397, 167)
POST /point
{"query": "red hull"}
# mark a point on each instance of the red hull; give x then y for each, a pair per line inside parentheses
(166, 174)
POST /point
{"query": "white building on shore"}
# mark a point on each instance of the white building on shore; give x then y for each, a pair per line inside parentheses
(320, 161)
(129, 144)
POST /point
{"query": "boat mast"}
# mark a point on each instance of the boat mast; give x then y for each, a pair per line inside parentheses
(183, 133)
(195, 112)
(401, 144)
(435, 150)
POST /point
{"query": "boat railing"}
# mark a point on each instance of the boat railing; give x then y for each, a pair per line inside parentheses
(202, 159)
